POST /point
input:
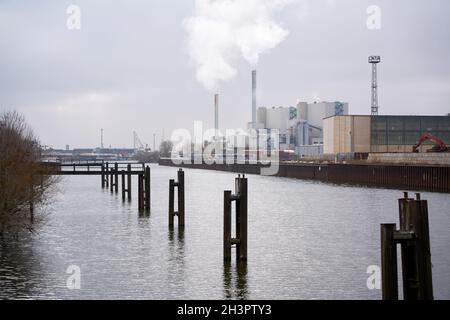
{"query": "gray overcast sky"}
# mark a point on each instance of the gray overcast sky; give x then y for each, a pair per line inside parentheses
(128, 67)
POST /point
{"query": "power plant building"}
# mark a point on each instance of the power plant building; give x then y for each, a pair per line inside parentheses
(382, 134)
(300, 127)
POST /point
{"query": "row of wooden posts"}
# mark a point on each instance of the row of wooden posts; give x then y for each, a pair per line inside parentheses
(240, 200)
(110, 177)
(413, 235)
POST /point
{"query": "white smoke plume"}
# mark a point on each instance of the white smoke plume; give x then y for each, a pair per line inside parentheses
(221, 31)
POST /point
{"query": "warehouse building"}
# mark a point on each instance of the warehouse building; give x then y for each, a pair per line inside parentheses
(365, 134)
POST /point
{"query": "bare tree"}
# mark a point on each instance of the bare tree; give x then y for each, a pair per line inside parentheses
(24, 185)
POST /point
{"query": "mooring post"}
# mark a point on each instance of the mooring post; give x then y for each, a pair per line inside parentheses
(423, 250)
(243, 219)
(241, 202)
(147, 188)
(116, 177)
(107, 174)
(103, 174)
(180, 186)
(141, 192)
(181, 200)
(123, 184)
(171, 202)
(237, 185)
(414, 238)
(111, 183)
(227, 225)
(389, 278)
(129, 182)
(408, 250)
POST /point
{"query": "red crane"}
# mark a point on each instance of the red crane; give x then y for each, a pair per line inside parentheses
(439, 145)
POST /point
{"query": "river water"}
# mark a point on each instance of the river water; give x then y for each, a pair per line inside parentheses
(307, 240)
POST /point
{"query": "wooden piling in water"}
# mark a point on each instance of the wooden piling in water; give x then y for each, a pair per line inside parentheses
(407, 251)
(180, 189)
(414, 238)
(243, 219)
(122, 176)
(111, 182)
(227, 225)
(424, 251)
(180, 213)
(116, 177)
(147, 195)
(103, 174)
(237, 216)
(171, 202)
(389, 276)
(129, 182)
(141, 192)
(241, 203)
(107, 174)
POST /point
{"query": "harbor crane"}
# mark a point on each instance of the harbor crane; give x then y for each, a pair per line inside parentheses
(137, 143)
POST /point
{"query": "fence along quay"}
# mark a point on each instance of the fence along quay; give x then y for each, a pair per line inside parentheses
(432, 178)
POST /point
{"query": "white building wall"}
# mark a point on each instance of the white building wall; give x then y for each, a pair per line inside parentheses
(328, 135)
(277, 118)
(321, 110)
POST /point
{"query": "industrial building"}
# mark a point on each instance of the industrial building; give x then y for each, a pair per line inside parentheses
(300, 127)
(382, 134)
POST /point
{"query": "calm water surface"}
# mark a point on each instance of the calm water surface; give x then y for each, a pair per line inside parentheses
(307, 240)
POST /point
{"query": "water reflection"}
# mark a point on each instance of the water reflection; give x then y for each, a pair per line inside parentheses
(177, 267)
(17, 268)
(235, 280)
(123, 257)
(145, 213)
(178, 241)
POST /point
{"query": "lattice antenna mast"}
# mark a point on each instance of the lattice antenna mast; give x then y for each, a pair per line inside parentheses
(374, 60)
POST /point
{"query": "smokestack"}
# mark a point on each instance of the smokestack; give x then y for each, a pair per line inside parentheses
(254, 99)
(216, 115)
(101, 138)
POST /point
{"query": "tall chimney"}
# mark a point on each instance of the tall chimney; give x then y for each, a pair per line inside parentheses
(254, 99)
(216, 115)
